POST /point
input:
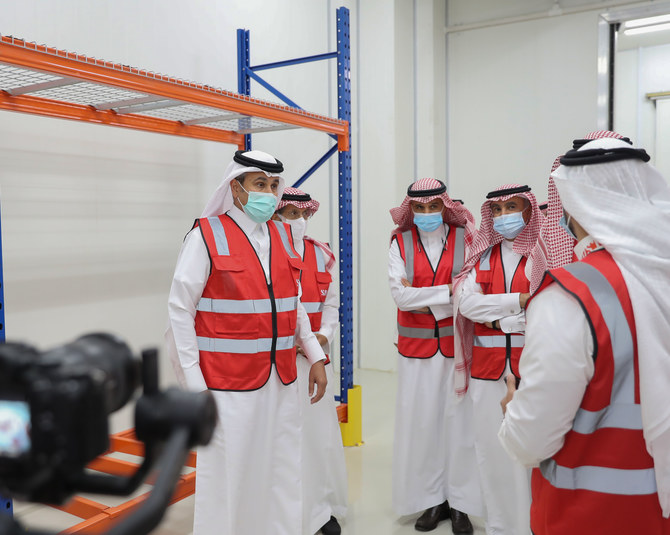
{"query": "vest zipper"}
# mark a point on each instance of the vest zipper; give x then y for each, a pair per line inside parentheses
(273, 349)
(508, 349)
(434, 270)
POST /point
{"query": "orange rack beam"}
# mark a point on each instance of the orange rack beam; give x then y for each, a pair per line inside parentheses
(98, 517)
(42, 80)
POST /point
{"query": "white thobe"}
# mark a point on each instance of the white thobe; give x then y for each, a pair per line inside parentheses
(556, 366)
(505, 483)
(248, 478)
(433, 456)
(324, 477)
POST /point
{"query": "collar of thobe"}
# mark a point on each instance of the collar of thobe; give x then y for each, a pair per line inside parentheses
(585, 246)
(438, 235)
(509, 245)
(248, 226)
(299, 247)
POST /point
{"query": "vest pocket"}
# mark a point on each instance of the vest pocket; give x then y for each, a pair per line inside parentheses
(238, 325)
(237, 316)
(295, 266)
(292, 320)
(323, 281)
(233, 275)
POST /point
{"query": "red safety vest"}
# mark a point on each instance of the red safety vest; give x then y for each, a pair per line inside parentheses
(492, 347)
(419, 334)
(602, 480)
(243, 323)
(315, 281)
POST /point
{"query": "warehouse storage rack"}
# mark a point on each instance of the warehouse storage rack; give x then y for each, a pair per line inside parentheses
(42, 80)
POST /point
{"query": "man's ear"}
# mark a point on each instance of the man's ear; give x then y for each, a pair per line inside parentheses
(235, 187)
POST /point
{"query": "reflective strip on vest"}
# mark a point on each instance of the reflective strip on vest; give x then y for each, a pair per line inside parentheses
(284, 238)
(459, 252)
(320, 260)
(600, 479)
(247, 306)
(485, 260)
(622, 413)
(237, 345)
(622, 401)
(425, 334)
(219, 236)
(498, 340)
(620, 416)
(408, 246)
(312, 307)
(447, 330)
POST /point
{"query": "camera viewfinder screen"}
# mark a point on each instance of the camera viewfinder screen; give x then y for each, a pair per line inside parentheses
(14, 428)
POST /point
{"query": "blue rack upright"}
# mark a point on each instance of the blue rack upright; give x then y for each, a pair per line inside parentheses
(245, 74)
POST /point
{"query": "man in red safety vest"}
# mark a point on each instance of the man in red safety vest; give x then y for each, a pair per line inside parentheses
(234, 322)
(491, 294)
(591, 413)
(433, 461)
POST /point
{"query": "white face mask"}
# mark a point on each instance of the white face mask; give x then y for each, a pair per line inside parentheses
(298, 227)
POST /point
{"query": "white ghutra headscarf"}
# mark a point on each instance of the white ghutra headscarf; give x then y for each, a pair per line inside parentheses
(625, 206)
(252, 161)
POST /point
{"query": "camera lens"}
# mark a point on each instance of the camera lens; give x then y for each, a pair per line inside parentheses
(105, 357)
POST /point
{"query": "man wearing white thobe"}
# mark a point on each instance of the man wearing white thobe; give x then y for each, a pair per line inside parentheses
(433, 461)
(248, 478)
(582, 344)
(492, 291)
(324, 470)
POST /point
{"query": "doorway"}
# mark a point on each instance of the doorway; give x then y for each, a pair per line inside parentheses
(639, 79)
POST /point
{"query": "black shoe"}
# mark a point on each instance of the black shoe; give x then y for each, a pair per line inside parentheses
(460, 523)
(332, 527)
(429, 520)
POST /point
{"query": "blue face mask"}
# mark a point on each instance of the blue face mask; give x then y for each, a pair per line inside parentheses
(509, 225)
(428, 222)
(564, 224)
(260, 206)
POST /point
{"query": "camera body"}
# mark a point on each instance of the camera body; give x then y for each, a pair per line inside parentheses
(54, 409)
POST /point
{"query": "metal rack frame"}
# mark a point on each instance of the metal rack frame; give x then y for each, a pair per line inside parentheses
(245, 74)
(42, 80)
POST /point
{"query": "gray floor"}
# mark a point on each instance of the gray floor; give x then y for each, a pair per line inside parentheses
(369, 469)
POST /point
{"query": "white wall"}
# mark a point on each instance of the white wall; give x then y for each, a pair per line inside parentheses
(518, 95)
(392, 35)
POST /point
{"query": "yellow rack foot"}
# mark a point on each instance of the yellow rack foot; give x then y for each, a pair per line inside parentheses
(352, 426)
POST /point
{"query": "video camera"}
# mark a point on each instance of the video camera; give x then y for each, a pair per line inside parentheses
(54, 409)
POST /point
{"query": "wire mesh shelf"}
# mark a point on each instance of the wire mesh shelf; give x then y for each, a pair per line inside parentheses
(44, 80)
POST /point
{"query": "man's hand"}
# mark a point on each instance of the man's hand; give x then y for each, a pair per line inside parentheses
(523, 299)
(317, 376)
(406, 283)
(510, 380)
(321, 339)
